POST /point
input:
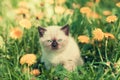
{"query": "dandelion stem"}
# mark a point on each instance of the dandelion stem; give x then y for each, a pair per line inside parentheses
(28, 73)
(106, 41)
(113, 28)
(100, 54)
(17, 51)
(118, 28)
(33, 41)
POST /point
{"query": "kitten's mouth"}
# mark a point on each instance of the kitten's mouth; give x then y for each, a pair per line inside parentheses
(54, 47)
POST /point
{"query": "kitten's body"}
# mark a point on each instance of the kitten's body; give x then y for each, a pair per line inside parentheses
(67, 52)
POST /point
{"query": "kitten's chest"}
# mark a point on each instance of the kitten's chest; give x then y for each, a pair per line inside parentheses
(57, 59)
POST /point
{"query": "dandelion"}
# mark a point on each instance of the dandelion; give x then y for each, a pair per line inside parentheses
(83, 39)
(25, 23)
(69, 11)
(93, 15)
(28, 59)
(49, 1)
(90, 4)
(22, 11)
(16, 33)
(97, 1)
(35, 72)
(61, 1)
(98, 34)
(42, 4)
(111, 19)
(39, 15)
(23, 4)
(24, 16)
(109, 35)
(118, 4)
(85, 10)
(59, 9)
(107, 12)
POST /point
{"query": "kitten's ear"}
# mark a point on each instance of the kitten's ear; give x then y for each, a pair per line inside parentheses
(41, 31)
(65, 29)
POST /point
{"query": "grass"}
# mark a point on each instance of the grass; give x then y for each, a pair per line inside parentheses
(100, 57)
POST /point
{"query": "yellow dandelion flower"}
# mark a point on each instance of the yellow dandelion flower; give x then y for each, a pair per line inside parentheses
(49, 1)
(16, 33)
(21, 11)
(59, 9)
(25, 23)
(97, 1)
(20, 17)
(109, 35)
(85, 10)
(61, 1)
(112, 18)
(23, 4)
(28, 59)
(107, 12)
(35, 72)
(39, 15)
(69, 11)
(90, 4)
(98, 34)
(118, 4)
(93, 15)
(42, 4)
(83, 39)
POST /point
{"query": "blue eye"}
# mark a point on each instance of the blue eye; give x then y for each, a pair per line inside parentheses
(49, 41)
(59, 40)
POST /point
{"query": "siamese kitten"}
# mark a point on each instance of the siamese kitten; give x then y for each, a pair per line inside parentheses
(58, 47)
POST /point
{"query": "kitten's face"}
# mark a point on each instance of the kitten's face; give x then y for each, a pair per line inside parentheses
(54, 38)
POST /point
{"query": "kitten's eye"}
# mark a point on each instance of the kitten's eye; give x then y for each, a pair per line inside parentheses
(49, 41)
(59, 40)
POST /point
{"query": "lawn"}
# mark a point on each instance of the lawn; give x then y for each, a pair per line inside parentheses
(94, 24)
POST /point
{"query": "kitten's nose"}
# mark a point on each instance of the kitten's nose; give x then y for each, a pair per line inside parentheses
(54, 44)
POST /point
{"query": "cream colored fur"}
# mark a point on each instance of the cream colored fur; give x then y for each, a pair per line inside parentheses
(68, 53)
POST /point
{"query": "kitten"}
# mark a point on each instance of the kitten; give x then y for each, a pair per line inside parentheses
(58, 47)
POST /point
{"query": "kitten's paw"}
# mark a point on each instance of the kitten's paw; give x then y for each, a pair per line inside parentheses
(70, 66)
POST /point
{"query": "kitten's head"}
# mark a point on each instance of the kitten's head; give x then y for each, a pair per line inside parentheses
(54, 38)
